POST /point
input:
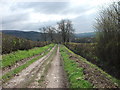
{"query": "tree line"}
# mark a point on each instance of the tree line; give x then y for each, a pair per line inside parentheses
(108, 36)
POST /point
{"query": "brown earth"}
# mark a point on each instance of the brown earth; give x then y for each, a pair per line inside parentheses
(93, 75)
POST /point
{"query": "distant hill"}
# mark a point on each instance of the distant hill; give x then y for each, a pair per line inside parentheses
(35, 36)
(24, 34)
(83, 35)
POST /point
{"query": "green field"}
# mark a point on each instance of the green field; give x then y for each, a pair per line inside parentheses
(12, 58)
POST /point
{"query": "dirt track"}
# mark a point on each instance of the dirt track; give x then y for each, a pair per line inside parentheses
(24, 77)
(55, 77)
(48, 72)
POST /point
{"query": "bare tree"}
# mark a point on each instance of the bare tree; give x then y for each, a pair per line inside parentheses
(69, 30)
(66, 30)
(43, 30)
(58, 36)
(61, 27)
(51, 33)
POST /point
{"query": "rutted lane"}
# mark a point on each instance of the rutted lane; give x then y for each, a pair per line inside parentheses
(56, 77)
(21, 62)
(26, 75)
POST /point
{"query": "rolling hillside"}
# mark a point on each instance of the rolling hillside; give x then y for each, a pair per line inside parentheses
(83, 35)
(35, 36)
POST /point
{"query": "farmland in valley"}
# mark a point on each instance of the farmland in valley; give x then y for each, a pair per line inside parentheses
(56, 55)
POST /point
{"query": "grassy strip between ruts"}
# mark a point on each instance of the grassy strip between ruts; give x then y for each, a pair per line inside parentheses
(12, 73)
(74, 73)
(114, 80)
(12, 58)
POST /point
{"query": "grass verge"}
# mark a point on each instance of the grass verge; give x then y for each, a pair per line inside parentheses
(12, 58)
(12, 73)
(74, 73)
(114, 80)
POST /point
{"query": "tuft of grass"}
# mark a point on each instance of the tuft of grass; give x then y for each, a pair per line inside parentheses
(12, 58)
(41, 79)
(74, 73)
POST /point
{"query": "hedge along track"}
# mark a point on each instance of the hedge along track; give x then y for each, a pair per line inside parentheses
(21, 62)
(25, 76)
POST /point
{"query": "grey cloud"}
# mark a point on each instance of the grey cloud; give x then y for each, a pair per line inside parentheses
(84, 23)
(36, 26)
(44, 7)
(77, 10)
(14, 21)
(53, 7)
(27, 26)
(15, 18)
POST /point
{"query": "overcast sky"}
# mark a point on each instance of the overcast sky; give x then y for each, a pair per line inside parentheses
(30, 16)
